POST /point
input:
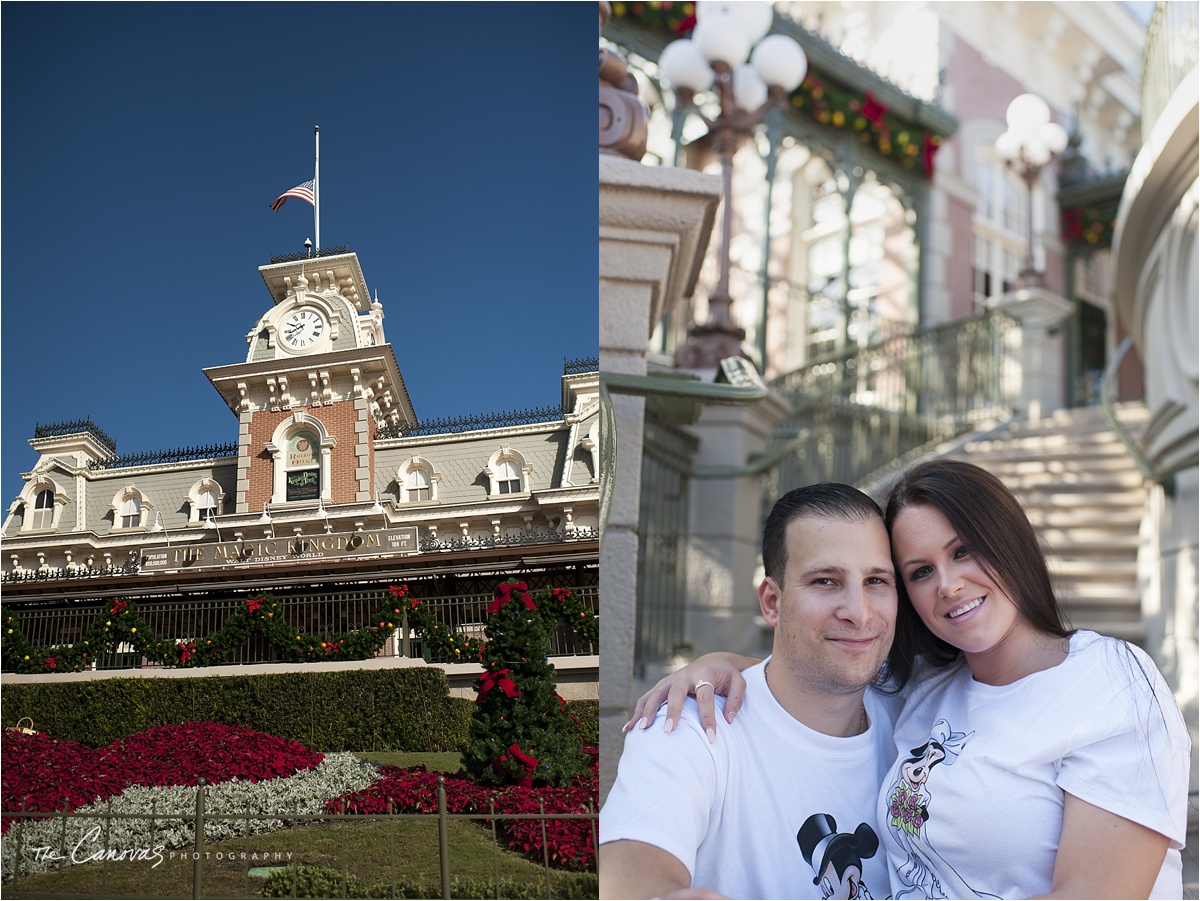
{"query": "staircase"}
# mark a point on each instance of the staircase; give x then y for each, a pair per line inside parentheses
(1085, 496)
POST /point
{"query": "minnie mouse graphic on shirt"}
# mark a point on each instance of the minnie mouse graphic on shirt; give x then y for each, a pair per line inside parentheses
(925, 874)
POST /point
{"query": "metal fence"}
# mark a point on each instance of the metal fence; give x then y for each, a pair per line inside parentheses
(662, 549)
(327, 613)
(99, 825)
(858, 412)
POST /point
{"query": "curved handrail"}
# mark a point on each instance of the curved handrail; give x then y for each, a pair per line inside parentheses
(1166, 476)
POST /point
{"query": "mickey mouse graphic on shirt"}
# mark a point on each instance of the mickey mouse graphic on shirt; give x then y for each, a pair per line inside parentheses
(837, 857)
(925, 874)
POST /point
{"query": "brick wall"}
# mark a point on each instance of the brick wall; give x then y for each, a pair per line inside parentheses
(338, 419)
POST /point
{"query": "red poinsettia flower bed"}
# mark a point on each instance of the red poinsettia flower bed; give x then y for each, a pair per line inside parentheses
(414, 790)
(45, 774)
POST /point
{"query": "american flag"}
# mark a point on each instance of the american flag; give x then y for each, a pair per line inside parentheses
(303, 191)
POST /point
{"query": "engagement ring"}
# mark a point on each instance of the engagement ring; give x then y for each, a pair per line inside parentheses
(700, 682)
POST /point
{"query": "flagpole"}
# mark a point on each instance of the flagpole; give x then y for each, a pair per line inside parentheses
(317, 186)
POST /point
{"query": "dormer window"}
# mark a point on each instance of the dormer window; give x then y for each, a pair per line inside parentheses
(206, 504)
(507, 473)
(508, 478)
(205, 501)
(44, 503)
(131, 513)
(131, 509)
(417, 486)
(43, 510)
(417, 480)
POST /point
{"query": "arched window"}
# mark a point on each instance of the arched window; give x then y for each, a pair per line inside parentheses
(417, 487)
(206, 499)
(131, 513)
(131, 509)
(417, 480)
(43, 510)
(44, 504)
(508, 478)
(301, 450)
(507, 473)
(302, 467)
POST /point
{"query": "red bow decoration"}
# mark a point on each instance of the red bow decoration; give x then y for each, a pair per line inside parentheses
(186, 651)
(562, 707)
(398, 590)
(498, 679)
(254, 603)
(932, 143)
(52, 662)
(873, 111)
(504, 592)
(530, 764)
(118, 607)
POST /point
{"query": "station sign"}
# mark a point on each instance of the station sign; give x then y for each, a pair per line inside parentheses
(266, 551)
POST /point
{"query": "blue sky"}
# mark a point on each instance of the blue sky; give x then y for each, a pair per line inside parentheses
(142, 146)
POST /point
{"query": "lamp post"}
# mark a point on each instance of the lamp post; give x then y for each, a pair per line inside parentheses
(1031, 142)
(715, 58)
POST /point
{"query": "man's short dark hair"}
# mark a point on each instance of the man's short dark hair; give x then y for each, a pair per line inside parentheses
(829, 499)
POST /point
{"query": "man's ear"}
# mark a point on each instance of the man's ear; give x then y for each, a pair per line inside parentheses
(769, 596)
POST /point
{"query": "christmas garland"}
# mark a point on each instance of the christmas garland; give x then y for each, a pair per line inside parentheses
(120, 623)
(443, 644)
(818, 98)
(1092, 225)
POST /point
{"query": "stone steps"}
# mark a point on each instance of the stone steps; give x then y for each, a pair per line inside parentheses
(1084, 494)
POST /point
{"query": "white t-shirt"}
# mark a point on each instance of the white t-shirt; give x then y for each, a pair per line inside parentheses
(973, 806)
(769, 810)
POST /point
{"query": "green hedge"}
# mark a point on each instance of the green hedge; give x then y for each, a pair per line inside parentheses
(407, 709)
(326, 882)
(354, 710)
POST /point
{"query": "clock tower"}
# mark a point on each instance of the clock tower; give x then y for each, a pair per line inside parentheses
(318, 382)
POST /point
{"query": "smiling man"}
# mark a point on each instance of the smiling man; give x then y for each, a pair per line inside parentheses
(756, 814)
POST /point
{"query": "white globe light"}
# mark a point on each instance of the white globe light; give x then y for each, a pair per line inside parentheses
(756, 16)
(1008, 146)
(1037, 153)
(1027, 113)
(684, 66)
(1054, 136)
(749, 91)
(780, 62)
(722, 39)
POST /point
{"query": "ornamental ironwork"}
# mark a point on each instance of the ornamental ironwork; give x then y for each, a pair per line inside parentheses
(309, 254)
(474, 423)
(543, 536)
(128, 568)
(583, 364)
(174, 455)
(74, 426)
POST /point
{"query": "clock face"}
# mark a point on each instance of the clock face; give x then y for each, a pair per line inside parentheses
(302, 329)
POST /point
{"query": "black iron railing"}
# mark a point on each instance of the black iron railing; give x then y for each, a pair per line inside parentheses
(583, 364)
(173, 455)
(73, 426)
(857, 413)
(324, 614)
(473, 423)
(309, 255)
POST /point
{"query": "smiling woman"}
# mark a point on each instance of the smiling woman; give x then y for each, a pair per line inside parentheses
(1070, 741)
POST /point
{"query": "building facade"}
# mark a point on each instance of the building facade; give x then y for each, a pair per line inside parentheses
(332, 490)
